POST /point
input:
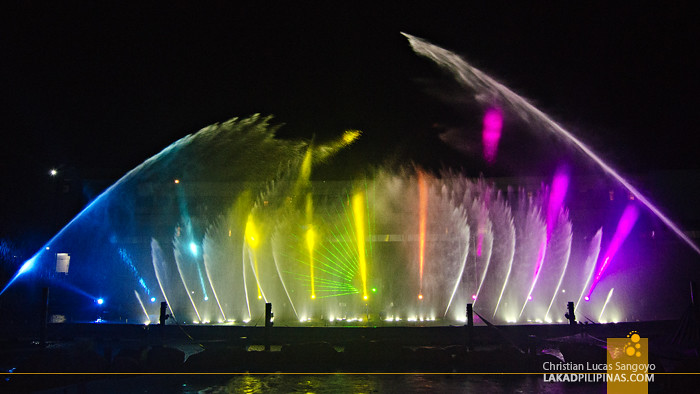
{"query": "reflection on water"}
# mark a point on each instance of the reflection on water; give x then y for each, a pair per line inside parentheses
(337, 383)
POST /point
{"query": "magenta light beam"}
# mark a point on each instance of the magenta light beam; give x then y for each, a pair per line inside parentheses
(627, 221)
(491, 134)
(560, 184)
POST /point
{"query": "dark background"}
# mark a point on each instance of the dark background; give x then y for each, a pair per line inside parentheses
(95, 88)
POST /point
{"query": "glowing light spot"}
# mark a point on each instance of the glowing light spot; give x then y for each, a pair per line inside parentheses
(491, 133)
(206, 298)
(26, 267)
(313, 296)
(474, 297)
(153, 299)
(420, 296)
(177, 181)
(100, 301)
(251, 233)
(53, 172)
(587, 298)
(193, 248)
(365, 297)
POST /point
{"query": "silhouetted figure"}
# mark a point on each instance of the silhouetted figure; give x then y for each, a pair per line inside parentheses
(570, 314)
(163, 315)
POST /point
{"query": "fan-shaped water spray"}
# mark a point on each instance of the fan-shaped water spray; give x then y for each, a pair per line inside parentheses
(227, 219)
(487, 90)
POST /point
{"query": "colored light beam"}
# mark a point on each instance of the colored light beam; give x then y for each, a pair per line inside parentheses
(252, 237)
(488, 89)
(560, 184)
(358, 210)
(540, 259)
(627, 221)
(26, 267)
(422, 218)
(491, 133)
(29, 264)
(130, 263)
(593, 252)
(310, 241)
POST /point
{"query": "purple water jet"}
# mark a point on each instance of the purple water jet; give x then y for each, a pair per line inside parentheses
(627, 221)
(491, 133)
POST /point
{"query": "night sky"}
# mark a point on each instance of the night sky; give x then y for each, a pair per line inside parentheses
(95, 89)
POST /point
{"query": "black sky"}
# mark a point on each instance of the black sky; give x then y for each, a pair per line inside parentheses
(95, 88)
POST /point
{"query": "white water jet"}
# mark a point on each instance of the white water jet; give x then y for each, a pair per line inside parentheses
(488, 90)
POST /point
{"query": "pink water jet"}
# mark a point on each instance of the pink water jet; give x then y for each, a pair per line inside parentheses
(491, 134)
(624, 226)
(560, 184)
